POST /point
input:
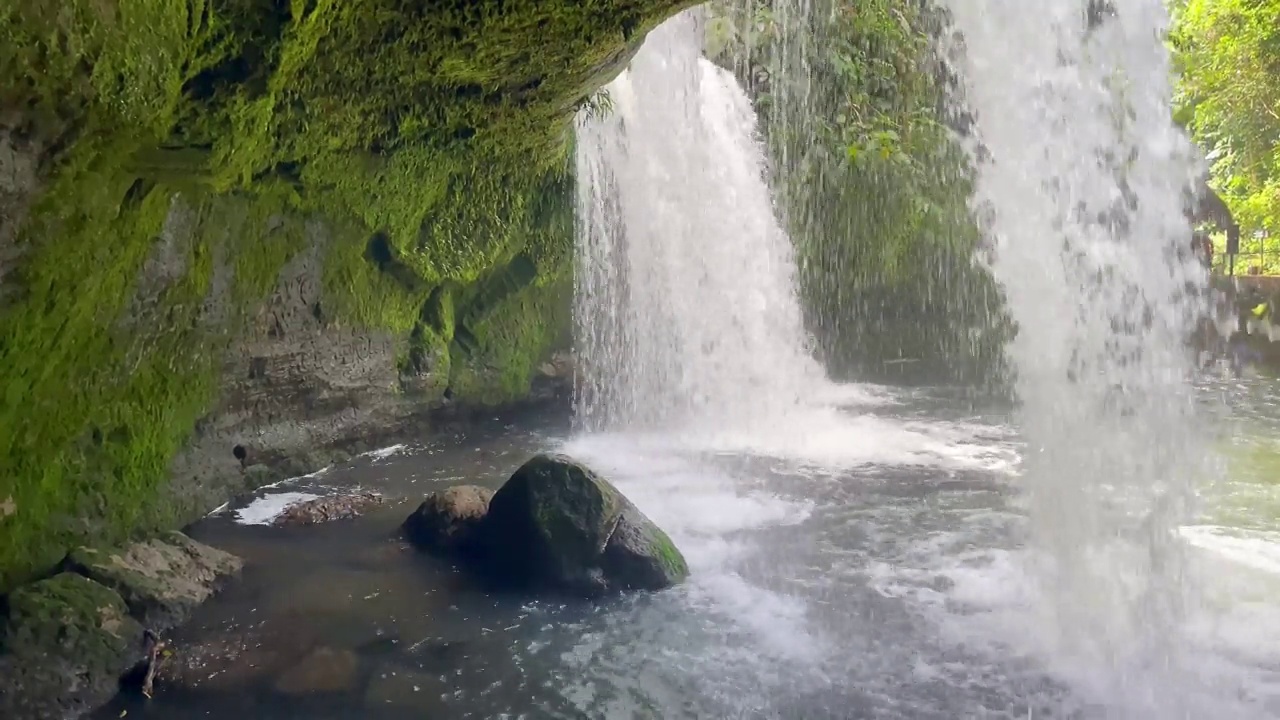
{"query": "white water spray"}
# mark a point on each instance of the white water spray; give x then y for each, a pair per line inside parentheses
(686, 305)
(1083, 188)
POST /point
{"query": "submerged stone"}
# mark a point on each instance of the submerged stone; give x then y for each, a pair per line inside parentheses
(66, 643)
(323, 670)
(162, 580)
(245, 657)
(558, 524)
(449, 521)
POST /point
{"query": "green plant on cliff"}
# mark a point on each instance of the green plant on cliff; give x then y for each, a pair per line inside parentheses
(875, 188)
(1227, 54)
(422, 135)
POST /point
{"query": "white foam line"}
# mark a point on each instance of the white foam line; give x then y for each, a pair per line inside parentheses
(385, 452)
(1257, 550)
(296, 478)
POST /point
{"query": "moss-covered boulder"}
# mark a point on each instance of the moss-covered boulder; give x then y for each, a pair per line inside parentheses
(161, 580)
(66, 643)
(448, 522)
(557, 524)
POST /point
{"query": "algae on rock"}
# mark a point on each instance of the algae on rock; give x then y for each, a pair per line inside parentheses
(66, 643)
(557, 523)
(161, 580)
(269, 227)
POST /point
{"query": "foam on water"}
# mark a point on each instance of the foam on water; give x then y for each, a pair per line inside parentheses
(386, 452)
(1257, 550)
(265, 510)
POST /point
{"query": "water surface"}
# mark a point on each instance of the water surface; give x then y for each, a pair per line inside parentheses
(872, 565)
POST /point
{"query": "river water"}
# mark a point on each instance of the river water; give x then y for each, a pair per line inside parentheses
(880, 570)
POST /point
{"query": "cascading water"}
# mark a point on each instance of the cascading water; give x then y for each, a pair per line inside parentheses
(1083, 189)
(686, 306)
(690, 332)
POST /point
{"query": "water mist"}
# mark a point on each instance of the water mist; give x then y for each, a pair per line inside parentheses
(1081, 183)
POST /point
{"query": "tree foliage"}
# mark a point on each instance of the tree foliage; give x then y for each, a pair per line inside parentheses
(1228, 57)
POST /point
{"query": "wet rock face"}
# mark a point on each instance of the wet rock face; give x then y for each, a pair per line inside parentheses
(19, 183)
(161, 580)
(555, 525)
(66, 643)
(295, 384)
(448, 521)
(327, 509)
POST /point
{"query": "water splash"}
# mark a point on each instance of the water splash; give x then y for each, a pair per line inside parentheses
(686, 305)
(1081, 179)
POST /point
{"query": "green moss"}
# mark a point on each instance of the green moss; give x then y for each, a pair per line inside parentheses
(107, 371)
(263, 236)
(668, 555)
(443, 129)
(93, 400)
(358, 291)
(509, 344)
(125, 59)
(72, 618)
(433, 125)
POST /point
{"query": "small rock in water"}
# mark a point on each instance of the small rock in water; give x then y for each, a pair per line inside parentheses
(162, 580)
(326, 509)
(448, 521)
(324, 670)
(557, 523)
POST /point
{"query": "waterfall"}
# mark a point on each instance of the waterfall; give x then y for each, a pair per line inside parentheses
(686, 308)
(1081, 174)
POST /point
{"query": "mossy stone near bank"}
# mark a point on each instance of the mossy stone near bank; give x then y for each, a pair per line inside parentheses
(66, 642)
(269, 226)
(161, 580)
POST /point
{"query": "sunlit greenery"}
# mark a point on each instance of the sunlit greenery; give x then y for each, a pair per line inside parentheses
(1228, 57)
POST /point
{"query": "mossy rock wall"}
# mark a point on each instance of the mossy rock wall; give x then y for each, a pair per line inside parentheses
(238, 231)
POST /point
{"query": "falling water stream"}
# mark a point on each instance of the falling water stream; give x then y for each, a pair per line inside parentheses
(686, 301)
(1083, 182)
(857, 551)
